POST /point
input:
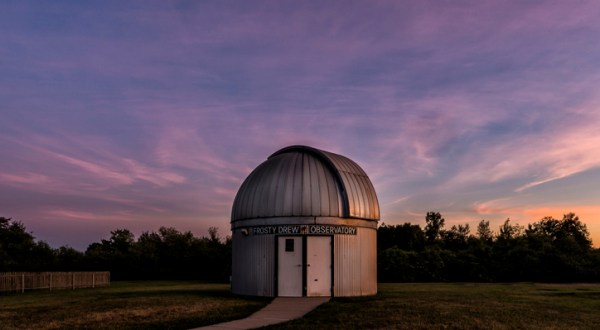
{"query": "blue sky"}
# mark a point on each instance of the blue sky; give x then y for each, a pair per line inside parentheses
(144, 114)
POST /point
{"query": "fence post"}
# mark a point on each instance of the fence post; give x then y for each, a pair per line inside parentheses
(93, 280)
(22, 282)
(50, 281)
(73, 280)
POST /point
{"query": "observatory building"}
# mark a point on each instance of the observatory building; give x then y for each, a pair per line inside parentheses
(304, 223)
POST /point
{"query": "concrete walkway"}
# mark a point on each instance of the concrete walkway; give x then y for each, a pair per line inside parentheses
(281, 309)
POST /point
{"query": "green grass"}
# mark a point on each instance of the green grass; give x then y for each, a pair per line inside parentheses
(461, 306)
(184, 305)
(126, 305)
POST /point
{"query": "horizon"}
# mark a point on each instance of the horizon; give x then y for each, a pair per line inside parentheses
(141, 115)
(222, 237)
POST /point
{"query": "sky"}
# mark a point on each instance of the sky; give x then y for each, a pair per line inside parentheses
(141, 114)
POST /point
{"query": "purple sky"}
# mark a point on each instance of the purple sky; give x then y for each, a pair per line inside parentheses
(141, 114)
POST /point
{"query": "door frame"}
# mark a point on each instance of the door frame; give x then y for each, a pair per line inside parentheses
(304, 263)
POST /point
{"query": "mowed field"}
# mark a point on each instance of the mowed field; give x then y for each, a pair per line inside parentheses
(462, 306)
(183, 305)
(126, 305)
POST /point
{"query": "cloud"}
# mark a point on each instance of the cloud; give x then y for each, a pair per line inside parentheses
(570, 151)
(24, 179)
(163, 110)
(563, 148)
(89, 216)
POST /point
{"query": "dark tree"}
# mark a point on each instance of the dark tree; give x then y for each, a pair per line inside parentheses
(456, 238)
(121, 241)
(508, 231)
(548, 250)
(569, 231)
(405, 237)
(69, 259)
(16, 245)
(562, 248)
(484, 233)
(572, 227)
(433, 226)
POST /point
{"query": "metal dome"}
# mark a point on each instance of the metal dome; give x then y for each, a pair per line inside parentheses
(301, 181)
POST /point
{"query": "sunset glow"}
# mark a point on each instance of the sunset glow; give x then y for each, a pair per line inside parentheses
(145, 114)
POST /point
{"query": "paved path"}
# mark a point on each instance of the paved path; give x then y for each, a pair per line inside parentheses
(281, 309)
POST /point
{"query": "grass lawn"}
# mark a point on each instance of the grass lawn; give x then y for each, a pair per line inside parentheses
(184, 305)
(126, 305)
(461, 306)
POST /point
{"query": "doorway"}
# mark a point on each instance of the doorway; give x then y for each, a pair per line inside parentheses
(304, 266)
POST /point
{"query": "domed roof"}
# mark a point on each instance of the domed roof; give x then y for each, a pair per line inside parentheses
(301, 181)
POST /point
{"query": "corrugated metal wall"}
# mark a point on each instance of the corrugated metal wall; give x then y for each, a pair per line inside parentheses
(355, 263)
(253, 267)
(368, 269)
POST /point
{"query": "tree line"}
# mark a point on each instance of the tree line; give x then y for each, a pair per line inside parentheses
(166, 254)
(549, 250)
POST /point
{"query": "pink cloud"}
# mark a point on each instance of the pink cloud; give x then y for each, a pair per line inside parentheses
(421, 95)
(563, 149)
(24, 179)
(89, 216)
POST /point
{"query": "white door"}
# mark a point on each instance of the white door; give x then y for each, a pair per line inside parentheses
(289, 267)
(318, 266)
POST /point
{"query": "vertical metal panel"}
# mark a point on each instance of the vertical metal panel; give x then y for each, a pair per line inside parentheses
(297, 187)
(306, 187)
(368, 248)
(347, 263)
(334, 206)
(253, 265)
(364, 195)
(325, 192)
(349, 192)
(289, 185)
(240, 203)
(248, 195)
(352, 194)
(252, 187)
(273, 182)
(355, 263)
(315, 187)
(260, 192)
(359, 202)
(373, 203)
(280, 195)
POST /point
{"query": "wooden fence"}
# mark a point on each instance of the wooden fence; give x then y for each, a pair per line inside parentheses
(19, 282)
